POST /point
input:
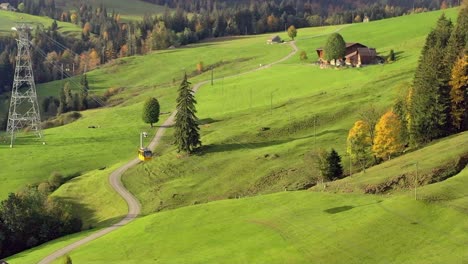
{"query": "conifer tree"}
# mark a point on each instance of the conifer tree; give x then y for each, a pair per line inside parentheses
(430, 101)
(459, 37)
(187, 136)
(84, 92)
(62, 108)
(334, 170)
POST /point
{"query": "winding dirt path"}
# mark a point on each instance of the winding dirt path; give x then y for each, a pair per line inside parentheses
(115, 178)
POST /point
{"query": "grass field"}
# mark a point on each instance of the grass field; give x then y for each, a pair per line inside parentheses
(289, 227)
(9, 19)
(239, 160)
(76, 149)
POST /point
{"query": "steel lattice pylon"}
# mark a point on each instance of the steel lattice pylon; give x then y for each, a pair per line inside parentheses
(24, 107)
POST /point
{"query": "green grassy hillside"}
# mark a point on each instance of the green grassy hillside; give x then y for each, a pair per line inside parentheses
(76, 149)
(241, 159)
(8, 20)
(129, 9)
(291, 227)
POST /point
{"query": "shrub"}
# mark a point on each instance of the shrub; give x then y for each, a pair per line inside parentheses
(303, 55)
(200, 67)
(56, 179)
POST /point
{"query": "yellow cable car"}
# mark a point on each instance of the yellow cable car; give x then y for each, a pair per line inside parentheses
(144, 154)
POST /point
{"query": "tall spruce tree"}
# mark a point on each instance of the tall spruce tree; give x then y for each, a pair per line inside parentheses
(430, 102)
(84, 92)
(334, 168)
(459, 37)
(187, 136)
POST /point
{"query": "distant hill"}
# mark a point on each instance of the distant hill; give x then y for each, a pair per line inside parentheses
(127, 8)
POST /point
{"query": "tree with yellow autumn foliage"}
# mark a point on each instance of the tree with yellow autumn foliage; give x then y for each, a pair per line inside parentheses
(359, 143)
(388, 136)
(459, 94)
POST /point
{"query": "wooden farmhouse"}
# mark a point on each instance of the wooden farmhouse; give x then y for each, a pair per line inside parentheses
(357, 54)
(274, 39)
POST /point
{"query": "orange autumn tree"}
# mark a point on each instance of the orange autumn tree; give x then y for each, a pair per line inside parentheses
(458, 93)
(359, 143)
(388, 136)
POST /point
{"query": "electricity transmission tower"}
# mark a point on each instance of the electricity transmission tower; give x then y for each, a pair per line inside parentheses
(24, 107)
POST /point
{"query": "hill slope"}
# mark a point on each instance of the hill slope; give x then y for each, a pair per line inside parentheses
(240, 160)
(293, 227)
(8, 20)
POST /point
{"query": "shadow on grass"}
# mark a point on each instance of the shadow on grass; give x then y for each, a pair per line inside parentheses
(336, 210)
(340, 209)
(88, 214)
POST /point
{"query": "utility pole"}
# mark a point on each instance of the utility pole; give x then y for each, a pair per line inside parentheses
(212, 75)
(250, 97)
(315, 132)
(416, 182)
(24, 106)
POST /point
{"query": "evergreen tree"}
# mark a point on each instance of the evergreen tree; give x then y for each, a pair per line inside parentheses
(68, 97)
(334, 168)
(335, 47)
(459, 38)
(430, 100)
(187, 136)
(62, 108)
(84, 92)
(151, 111)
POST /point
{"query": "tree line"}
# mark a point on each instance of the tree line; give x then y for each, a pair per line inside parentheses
(30, 218)
(434, 106)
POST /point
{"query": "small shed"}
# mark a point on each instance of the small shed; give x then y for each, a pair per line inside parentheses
(274, 39)
(8, 7)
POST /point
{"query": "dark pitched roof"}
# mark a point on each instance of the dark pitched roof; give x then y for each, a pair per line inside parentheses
(369, 52)
(348, 44)
(275, 38)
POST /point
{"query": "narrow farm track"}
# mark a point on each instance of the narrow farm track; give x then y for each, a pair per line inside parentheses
(115, 181)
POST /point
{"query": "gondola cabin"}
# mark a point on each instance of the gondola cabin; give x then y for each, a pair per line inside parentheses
(145, 154)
